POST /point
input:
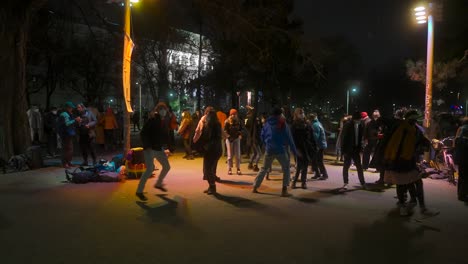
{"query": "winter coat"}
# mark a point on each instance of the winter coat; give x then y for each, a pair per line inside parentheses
(319, 134)
(276, 135)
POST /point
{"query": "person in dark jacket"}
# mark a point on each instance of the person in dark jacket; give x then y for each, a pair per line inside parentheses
(86, 134)
(351, 147)
(50, 127)
(305, 144)
(233, 131)
(154, 136)
(461, 145)
(276, 136)
(254, 128)
(213, 150)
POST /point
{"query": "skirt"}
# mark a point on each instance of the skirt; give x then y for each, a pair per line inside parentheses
(401, 178)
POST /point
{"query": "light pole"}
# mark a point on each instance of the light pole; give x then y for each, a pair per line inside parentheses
(347, 99)
(424, 15)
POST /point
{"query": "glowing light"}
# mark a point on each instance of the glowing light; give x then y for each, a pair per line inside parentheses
(134, 1)
(421, 18)
(422, 21)
(420, 13)
(419, 8)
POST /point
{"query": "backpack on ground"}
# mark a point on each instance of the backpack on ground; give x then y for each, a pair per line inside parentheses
(82, 175)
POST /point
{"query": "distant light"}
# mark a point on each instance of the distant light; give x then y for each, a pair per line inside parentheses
(170, 94)
(354, 89)
(136, 83)
(134, 1)
(419, 8)
(422, 21)
(421, 18)
(420, 13)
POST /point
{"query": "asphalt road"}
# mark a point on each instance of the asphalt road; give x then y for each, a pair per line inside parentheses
(43, 219)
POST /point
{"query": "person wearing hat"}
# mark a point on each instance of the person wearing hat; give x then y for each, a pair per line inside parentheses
(233, 132)
(351, 147)
(67, 133)
(276, 136)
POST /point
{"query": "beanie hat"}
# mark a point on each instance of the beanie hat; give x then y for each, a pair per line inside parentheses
(363, 114)
(69, 104)
(232, 111)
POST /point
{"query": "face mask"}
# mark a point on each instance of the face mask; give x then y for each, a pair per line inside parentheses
(54, 112)
(162, 112)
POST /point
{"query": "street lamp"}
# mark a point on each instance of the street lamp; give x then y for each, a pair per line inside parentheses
(353, 89)
(424, 15)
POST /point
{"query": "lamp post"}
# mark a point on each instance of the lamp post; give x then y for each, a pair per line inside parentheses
(424, 15)
(347, 99)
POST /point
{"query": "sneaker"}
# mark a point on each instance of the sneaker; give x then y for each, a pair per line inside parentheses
(345, 186)
(364, 186)
(239, 172)
(160, 187)
(284, 192)
(255, 168)
(323, 178)
(404, 210)
(141, 196)
(379, 182)
(315, 177)
(254, 190)
(229, 172)
(304, 185)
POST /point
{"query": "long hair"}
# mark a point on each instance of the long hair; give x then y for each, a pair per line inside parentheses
(186, 115)
(211, 119)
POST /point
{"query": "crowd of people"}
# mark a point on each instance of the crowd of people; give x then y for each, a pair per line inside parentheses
(393, 146)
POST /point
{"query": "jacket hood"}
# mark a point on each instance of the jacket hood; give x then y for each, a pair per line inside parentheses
(276, 121)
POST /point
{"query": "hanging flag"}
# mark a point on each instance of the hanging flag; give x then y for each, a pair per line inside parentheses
(127, 60)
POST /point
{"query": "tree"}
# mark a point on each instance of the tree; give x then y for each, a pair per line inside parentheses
(15, 19)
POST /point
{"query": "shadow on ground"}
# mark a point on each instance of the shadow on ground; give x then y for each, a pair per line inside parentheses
(389, 240)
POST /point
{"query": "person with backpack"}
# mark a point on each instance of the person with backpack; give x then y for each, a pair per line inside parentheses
(66, 127)
(461, 158)
(154, 136)
(401, 153)
(276, 136)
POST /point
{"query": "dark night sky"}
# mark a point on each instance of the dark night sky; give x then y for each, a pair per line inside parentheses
(381, 30)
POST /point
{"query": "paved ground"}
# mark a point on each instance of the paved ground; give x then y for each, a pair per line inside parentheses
(46, 220)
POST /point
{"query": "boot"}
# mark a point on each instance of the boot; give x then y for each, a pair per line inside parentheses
(211, 190)
(284, 192)
(255, 168)
(250, 166)
(304, 185)
(268, 176)
(293, 184)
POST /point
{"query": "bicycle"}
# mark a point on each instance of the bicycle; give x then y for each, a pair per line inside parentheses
(443, 158)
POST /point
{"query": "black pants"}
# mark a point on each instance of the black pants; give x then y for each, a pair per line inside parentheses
(368, 150)
(67, 156)
(356, 157)
(317, 164)
(86, 146)
(210, 164)
(462, 180)
(302, 165)
(52, 143)
(416, 191)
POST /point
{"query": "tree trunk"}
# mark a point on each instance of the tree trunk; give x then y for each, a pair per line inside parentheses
(14, 125)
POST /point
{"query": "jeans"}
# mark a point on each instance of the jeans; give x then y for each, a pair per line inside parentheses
(188, 148)
(233, 149)
(368, 150)
(150, 155)
(302, 165)
(257, 152)
(267, 161)
(356, 157)
(318, 165)
(86, 145)
(67, 143)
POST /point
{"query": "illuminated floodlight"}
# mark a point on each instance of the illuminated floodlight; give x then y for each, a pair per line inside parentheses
(422, 21)
(420, 13)
(421, 18)
(419, 8)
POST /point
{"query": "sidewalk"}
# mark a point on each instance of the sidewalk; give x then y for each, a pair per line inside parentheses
(46, 220)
